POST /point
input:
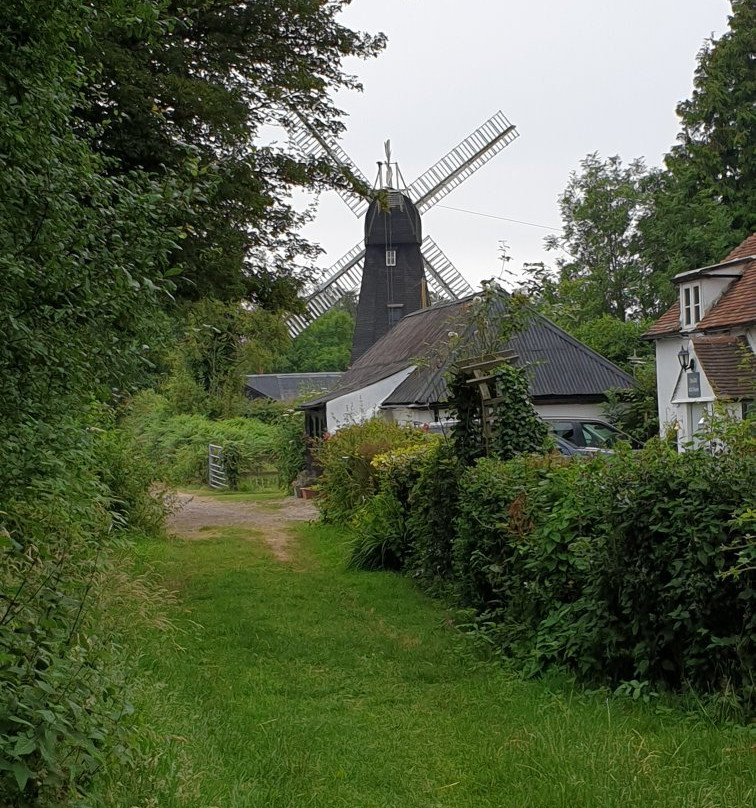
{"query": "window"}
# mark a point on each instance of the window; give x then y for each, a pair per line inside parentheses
(691, 304)
(390, 258)
(395, 311)
(564, 429)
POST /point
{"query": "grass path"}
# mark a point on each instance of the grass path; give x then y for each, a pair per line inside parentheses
(295, 683)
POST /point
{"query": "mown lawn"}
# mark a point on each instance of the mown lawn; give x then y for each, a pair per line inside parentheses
(300, 684)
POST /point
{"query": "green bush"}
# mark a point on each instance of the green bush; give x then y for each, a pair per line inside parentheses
(616, 567)
(636, 566)
(61, 671)
(380, 534)
(348, 477)
(433, 508)
(382, 538)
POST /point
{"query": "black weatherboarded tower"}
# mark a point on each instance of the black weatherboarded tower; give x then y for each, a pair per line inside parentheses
(393, 276)
(395, 267)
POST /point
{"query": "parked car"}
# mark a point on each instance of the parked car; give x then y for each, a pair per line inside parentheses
(588, 434)
(443, 427)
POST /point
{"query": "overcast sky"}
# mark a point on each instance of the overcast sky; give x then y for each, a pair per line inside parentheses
(574, 76)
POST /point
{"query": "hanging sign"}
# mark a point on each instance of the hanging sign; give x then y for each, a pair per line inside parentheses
(694, 385)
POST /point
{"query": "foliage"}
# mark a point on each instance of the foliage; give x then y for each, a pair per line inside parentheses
(381, 533)
(631, 567)
(604, 271)
(84, 254)
(492, 321)
(324, 345)
(200, 90)
(85, 274)
(221, 343)
(517, 428)
(348, 477)
(615, 339)
(433, 508)
(291, 447)
(634, 410)
(62, 699)
(712, 168)
(467, 432)
(178, 444)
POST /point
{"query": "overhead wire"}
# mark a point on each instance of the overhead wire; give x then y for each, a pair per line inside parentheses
(502, 218)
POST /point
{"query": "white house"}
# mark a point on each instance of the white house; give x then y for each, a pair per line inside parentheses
(706, 343)
(402, 377)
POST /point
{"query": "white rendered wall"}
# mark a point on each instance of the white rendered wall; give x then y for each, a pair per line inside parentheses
(409, 416)
(363, 404)
(594, 410)
(676, 410)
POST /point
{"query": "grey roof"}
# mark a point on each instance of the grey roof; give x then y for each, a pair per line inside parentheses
(560, 367)
(289, 386)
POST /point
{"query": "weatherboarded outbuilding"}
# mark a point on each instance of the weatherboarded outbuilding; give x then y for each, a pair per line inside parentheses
(402, 377)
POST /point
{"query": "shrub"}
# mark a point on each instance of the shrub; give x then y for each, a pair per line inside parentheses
(380, 534)
(432, 513)
(382, 539)
(637, 566)
(620, 567)
(61, 676)
(348, 479)
(291, 448)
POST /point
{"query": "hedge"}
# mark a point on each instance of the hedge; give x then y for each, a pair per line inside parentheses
(634, 566)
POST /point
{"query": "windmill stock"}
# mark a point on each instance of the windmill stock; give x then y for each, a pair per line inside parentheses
(394, 266)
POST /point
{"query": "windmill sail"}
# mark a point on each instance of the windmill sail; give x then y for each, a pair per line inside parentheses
(314, 144)
(462, 161)
(443, 278)
(342, 278)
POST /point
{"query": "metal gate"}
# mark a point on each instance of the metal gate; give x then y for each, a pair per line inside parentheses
(216, 468)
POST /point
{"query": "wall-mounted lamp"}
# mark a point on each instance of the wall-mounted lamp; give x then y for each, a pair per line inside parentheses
(683, 357)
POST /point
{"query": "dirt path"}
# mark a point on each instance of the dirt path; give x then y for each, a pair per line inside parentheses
(198, 517)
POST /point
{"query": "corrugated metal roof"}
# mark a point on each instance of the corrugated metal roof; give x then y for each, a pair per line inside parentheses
(560, 367)
(289, 386)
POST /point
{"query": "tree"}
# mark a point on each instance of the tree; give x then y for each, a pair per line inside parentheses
(618, 341)
(84, 275)
(704, 203)
(716, 152)
(84, 247)
(222, 342)
(604, 270)
(201, 90)
(325, 345)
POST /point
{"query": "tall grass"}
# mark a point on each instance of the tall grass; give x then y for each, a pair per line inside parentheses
(305, 684)
(178, 444)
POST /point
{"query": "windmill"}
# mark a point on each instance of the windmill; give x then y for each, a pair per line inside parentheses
(394, 265)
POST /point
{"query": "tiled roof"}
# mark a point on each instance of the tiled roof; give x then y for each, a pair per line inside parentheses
(729, 365)
(668, 323)
(736, 307)
(745, 250)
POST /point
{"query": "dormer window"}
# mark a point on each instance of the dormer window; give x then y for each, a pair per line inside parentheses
(390, 258)
(691, 305)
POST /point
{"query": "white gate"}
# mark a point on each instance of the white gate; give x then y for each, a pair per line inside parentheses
(216, 468)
